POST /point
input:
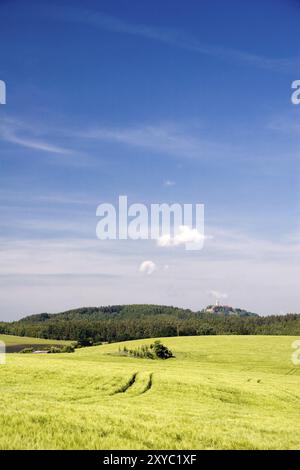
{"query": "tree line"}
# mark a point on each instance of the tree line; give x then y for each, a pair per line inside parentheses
(141, 322)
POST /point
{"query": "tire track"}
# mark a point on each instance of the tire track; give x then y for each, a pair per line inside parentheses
(128, 384)
(292, 371)
(148, 385)
(136, 385)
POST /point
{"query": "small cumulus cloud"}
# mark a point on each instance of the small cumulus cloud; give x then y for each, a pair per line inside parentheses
(184, 235)
(147, 267)
(169, 183)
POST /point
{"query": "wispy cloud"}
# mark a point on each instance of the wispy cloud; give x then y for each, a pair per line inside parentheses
(161, 138)
(218, 295)
(169, 37)
(165, 35)
(19, 198)
(36, 145)
(85, 272)
(286, 124)
(236, 244)
(15, 132)
(44, 139)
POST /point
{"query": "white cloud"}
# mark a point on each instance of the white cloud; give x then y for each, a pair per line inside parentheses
(15, 132)
(147, 267)
(218, 295)
(61, 273)
(184, 235)
(168, 138)
(170, 37)
(288, 124)
(169, 183)
(36, 144)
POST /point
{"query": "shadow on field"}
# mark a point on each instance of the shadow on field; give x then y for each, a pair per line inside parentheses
(16, 348)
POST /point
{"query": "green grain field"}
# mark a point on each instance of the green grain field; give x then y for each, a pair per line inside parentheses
(222, 392)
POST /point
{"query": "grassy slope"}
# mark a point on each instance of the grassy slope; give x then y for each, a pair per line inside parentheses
(11, 340)
(219, 393)
(17, 343)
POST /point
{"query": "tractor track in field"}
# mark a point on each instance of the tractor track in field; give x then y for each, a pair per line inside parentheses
(131, 382)
(148, 385)
(128, 384)
(292, 371)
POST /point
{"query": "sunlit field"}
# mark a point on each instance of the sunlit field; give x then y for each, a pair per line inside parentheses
(223, 392)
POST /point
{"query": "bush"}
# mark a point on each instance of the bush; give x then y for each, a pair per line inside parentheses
(161, 351)
(85, 342)
(55, 350)
(26, 351)
(156, 350)
(70, 348)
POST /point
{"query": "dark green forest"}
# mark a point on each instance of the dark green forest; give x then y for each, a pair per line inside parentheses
(92, 325)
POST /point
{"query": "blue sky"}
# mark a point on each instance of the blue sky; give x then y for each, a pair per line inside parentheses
(121, 97)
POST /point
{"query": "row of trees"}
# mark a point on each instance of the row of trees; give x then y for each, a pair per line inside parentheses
(88, 331)
(155, 350)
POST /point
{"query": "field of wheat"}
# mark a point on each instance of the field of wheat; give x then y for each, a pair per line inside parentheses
(223, 392)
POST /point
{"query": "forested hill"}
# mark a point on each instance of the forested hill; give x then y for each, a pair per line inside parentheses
(111, 312)
(92, 325)
(132, 311)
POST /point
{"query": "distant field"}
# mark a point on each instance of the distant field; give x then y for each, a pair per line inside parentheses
(220, 392)
(17, 343)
